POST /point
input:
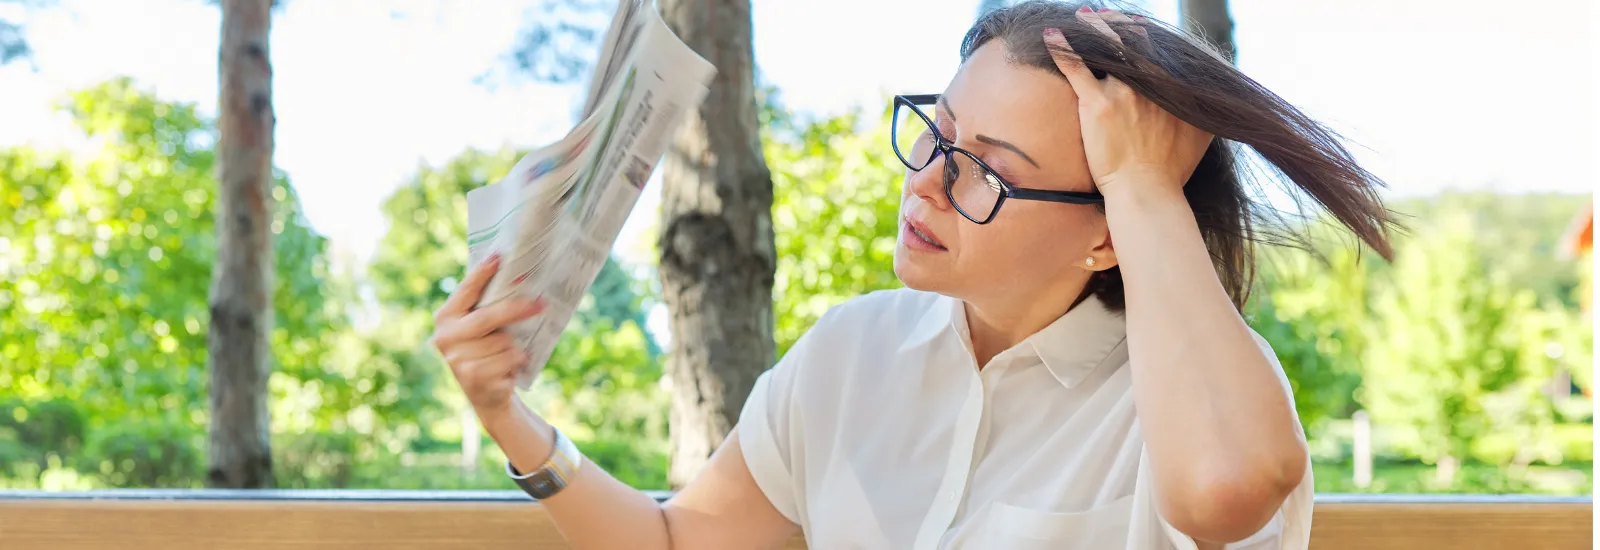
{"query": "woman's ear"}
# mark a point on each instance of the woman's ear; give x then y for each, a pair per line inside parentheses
(1102, 257)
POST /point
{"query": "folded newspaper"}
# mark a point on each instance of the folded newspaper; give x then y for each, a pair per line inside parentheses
(554, 217)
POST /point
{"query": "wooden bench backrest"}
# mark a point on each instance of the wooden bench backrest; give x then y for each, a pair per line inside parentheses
(154, 520)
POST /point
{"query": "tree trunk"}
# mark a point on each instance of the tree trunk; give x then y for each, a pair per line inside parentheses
(241, 281)
(1210, 19)
(717, 250)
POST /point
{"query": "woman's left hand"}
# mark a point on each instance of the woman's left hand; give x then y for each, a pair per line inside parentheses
(1130, 142)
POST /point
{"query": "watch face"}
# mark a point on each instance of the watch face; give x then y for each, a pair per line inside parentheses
(544, 483)
(548, 485)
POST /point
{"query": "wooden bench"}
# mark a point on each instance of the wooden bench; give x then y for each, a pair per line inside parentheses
(160, 519)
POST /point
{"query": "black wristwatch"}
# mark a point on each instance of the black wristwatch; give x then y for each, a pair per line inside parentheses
(556, 472)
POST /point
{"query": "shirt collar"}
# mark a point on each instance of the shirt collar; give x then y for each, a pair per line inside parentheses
(1071, 347)
(1078, 342)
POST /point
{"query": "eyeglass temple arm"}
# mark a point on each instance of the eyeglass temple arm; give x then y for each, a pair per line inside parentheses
(1069, 197)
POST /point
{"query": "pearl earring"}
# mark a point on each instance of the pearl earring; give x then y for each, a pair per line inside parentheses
(1089, 262)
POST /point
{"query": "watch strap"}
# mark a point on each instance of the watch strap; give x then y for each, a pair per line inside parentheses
(554, 474)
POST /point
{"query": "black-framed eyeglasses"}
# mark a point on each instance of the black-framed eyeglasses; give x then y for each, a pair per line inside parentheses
(972, 187)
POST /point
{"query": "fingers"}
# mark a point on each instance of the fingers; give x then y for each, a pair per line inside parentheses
(470, 291)
(1114, 16)
(486, 320)
(1140, 39)
(1138, 26)
(1092, 19)
(492, 369)
(472, 350)
(1067, 61)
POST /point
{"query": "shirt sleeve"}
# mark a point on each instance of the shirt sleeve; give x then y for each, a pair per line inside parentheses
(1290, 526)
(769, 429)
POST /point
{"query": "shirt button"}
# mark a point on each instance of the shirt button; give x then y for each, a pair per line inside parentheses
(953, 496)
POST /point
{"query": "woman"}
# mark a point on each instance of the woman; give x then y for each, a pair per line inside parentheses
(1068, 367)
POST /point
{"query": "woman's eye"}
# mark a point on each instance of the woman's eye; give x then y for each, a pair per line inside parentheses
(1000, 170)
(988, 178)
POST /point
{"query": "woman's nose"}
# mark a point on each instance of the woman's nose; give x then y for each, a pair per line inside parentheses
(928, 183)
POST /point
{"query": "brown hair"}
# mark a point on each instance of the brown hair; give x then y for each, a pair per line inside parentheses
(1189, 79)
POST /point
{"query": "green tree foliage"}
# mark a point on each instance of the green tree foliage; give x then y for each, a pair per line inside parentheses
(1575, 338)
(1311, 307)
(1455, 347)
(423, 253)
(835, 211)
(1523, 228)
(104, 264)
(610, 399)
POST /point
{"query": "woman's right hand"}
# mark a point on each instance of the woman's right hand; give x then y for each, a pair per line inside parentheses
(722, 508)
(482, 356)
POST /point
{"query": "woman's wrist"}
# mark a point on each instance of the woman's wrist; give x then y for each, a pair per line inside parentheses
(492, 417)
(525, 437)
(1152, 224)
(1142, 194)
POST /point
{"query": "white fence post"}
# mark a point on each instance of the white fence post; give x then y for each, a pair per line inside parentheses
(471, 443)
(1362, 449)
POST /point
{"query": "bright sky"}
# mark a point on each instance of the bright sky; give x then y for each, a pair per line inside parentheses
(1438, 93)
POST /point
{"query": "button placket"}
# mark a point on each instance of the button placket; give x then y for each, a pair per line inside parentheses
(942, 514)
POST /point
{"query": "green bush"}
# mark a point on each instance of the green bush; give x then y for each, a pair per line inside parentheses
(55, 424)
(1575, 442)
(1562, 443)
(32, 431)
(315, 460)
(17, 461)
(1474, 478)
(1575, 411)
(146, 453)
(637, 463)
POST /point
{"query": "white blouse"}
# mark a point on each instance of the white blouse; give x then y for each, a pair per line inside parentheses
(878, 431)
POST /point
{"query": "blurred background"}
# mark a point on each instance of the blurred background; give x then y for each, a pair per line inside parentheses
(1465, 366)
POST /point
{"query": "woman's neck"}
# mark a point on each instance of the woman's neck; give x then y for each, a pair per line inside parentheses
(997, 325)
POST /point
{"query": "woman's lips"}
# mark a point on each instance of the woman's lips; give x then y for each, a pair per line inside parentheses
(918, 236)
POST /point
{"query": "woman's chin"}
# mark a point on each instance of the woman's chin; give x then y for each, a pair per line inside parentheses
(914, 272)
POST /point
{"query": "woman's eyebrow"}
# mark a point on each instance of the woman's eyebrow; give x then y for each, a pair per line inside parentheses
(986, 139)
(1005, 145)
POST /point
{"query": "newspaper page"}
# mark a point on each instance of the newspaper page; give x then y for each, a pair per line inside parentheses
(554, 217)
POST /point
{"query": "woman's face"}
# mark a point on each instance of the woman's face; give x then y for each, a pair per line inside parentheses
(1031, 249)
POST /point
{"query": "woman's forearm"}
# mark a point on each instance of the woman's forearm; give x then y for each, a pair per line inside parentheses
(1219, 425)
(722, 508)
(594, 511)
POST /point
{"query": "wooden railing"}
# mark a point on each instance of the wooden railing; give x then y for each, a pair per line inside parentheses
(150, 520)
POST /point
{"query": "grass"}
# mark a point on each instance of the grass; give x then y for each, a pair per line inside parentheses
(1572, 478)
